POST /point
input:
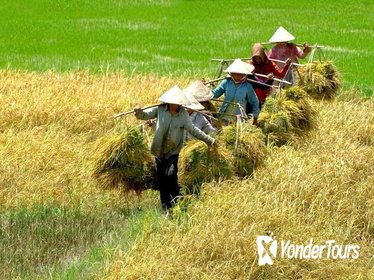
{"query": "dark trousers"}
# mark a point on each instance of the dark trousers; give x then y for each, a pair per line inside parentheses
(167, 179)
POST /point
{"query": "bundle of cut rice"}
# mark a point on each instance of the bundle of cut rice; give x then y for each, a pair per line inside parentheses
(320, 79)
(295, 102)
(199, 163)
(124, 161)
(276, 127)
(275, 123)
(247, 144)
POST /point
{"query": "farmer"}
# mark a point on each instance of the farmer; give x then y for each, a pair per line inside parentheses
(172, 120)
(199, 121)
(266, 67)
(258, 84)
(284, 50)
(237, 92)
(202, 94)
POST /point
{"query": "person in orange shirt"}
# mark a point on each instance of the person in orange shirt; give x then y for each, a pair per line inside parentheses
(264, 66)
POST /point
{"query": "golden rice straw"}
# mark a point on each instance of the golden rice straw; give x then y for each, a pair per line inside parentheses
(199, 163)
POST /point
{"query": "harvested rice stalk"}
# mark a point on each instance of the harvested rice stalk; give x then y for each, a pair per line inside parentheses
(294, 93)
(295, 102)
(321, 79)
(276, 127)
(124, 161)
(247, 145)
(199, 164)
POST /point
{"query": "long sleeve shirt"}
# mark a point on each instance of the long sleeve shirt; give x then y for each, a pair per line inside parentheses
(201, 123)
(242, 94)
(169, 134)
(267, 68)
(289, 51)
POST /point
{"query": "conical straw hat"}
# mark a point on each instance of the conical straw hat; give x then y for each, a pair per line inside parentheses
(281, 35)
(194, 104)
(200, 91)
(174, 96)
(249, 66)
(238, 66)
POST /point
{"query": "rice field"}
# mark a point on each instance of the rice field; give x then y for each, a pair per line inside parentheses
(179, 37)
(319, 187)
(57, 220)
(67, 67)
(51, 126)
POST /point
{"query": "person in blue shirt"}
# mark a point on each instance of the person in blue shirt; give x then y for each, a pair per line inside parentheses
(236, 89)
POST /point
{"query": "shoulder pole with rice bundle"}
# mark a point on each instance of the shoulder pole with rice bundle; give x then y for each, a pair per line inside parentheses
(200, 112)
(155, 105)
(250, 80)
(275, 79)
(297, 44)
(264, 84)
(295, 65)
(281, 61)
(223, 62)
(229, 59)
(215, 80)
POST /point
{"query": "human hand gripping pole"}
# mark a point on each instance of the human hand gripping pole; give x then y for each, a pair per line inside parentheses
(133, 111)
(137, 109)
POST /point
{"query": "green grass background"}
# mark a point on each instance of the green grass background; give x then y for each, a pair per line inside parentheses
(179, 37)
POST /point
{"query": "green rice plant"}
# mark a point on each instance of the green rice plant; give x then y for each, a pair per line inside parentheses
(104, 36)
(320, 79)
(32, 240)
(199, 163)
(247, 144)
(124, 161)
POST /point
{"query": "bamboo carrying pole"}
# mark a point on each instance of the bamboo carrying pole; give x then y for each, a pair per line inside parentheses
(283, 62)
(132, 111)
(215, 80)
(264, 84)
(229, 59)
(155, 105)
(297, 44)
(275, 79)
(260, 75)
(205, 115)
(250, 80)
